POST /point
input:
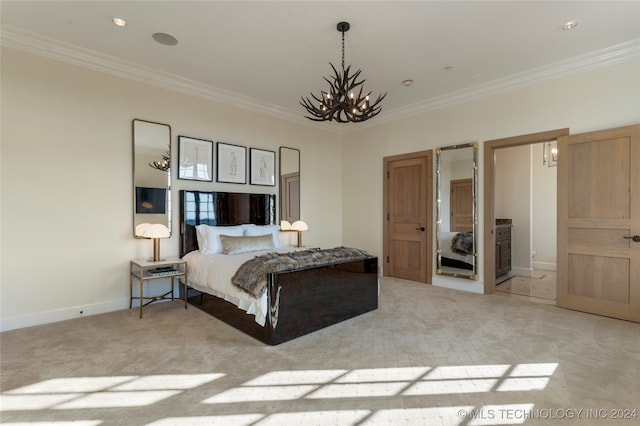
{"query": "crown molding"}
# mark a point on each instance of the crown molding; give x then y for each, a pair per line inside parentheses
(37, 44)
(609, 56)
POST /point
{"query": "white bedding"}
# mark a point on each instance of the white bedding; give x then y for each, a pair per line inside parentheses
(211, 273)
(445, 240)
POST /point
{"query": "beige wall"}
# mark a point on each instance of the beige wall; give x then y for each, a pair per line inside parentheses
(66, 169)
(600, 99)
(67, 182)
(544, 212)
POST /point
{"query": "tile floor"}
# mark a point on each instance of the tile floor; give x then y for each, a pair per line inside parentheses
(540, 289)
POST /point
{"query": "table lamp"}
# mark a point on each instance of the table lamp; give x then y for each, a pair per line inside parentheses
(285, 225)
(154, 231)
(299, 226)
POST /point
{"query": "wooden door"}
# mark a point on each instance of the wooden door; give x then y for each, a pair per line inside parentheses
(461, 205)
(408, 195)
(598, 215)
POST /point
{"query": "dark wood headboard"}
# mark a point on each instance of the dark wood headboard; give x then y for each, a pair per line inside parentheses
(221, 209)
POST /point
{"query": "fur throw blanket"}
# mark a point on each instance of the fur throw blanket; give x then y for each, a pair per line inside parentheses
(462, 243)
(252, 275)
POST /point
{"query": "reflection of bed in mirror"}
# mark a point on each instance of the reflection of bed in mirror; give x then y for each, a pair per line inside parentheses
(294, 302)
(457, 250)
(456, 210)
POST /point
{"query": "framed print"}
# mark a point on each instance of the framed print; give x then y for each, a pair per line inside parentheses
(263, 167)
(195, 159)
(232, 161)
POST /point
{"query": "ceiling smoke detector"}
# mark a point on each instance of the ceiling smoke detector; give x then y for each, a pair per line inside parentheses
(569, 25)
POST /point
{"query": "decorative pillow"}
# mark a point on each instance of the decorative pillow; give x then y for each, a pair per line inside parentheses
(237, 245)
(209, 241)
(257, 230)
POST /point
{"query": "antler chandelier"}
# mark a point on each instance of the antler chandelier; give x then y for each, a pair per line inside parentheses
(344, 102)
(163, 165)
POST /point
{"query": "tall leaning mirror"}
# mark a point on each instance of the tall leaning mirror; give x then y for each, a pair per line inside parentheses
(456, 211)
(151, 173)
(289, 184)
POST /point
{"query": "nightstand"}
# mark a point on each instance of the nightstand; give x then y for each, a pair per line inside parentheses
(147, 271)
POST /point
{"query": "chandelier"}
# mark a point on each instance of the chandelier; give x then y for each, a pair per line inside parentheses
(345, 101)
(163, 165)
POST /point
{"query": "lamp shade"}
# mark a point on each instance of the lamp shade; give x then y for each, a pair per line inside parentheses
(152, 230)
(285, 225)
(141, 228)
(299, 225)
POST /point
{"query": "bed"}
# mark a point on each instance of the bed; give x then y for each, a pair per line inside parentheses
(457, 250)
(295, 301)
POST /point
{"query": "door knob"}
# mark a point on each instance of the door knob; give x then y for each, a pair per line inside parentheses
(422, 228)
(635, 238)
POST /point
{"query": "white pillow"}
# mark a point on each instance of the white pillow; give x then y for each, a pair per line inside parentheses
(209, 241)
(254, 231)
(200, 236)
(237, 245)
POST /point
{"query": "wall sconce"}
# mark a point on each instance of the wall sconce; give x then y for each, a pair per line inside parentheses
(154, 231)
(550, 154)
(299, 226)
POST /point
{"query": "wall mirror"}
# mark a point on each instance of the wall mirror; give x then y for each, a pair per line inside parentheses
(151, 173)
(289, 184)
(456, 211)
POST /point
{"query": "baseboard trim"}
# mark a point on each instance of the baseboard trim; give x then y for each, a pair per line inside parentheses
(57, 315)
(521, 271)
(546, 266)
(458, 284)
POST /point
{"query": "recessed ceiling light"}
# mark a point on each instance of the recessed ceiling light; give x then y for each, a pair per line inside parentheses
(407, 82)
(569, 25)
(166, 39)
(119, 22)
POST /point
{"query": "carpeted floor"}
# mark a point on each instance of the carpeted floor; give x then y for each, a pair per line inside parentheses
(427, 356)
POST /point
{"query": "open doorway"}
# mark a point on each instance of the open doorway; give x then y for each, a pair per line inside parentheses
(492, 251)
(525, 192)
